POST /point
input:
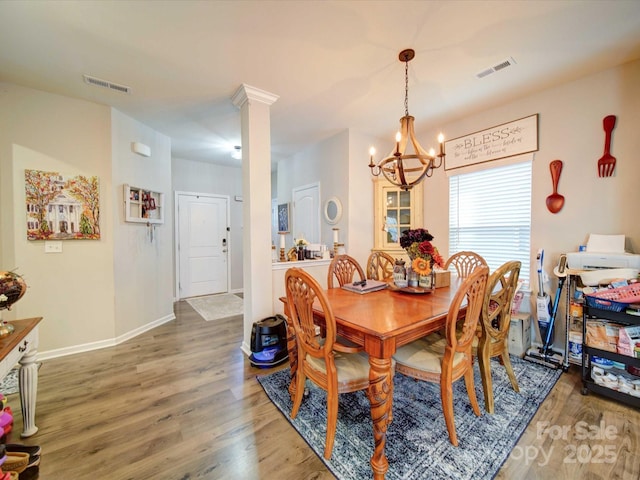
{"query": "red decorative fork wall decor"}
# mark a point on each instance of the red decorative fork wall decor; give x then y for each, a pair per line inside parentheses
(607, 163)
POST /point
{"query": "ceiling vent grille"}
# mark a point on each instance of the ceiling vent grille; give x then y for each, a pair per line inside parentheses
(496, 68)
(97, 82)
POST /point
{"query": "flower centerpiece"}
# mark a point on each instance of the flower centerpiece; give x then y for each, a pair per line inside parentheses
(300, 244)
(423, 254)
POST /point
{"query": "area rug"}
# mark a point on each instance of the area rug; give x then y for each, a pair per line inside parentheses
(9, 384)
(215, 307)
(418, 445)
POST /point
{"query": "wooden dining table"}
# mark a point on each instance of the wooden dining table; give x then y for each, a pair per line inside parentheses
(381, 322)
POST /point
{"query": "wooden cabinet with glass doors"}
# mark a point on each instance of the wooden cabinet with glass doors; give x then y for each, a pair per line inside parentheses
(395, 210)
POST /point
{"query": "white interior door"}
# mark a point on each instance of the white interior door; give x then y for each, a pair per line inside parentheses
(306, 212)
(203, 245)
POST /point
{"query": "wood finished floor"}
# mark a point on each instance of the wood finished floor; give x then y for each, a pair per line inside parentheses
(181, 402)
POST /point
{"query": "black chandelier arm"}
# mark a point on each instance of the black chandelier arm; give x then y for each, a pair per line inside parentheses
(429, 171)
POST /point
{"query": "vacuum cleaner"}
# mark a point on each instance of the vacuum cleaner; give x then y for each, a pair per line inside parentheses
(546, 311)
(269, 342)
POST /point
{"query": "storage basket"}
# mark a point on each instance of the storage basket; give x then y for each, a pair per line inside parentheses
(615, 299)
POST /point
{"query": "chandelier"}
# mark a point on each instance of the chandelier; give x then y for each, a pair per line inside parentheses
(402, 168)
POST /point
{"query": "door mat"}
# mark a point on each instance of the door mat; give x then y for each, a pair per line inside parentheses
(215, 307)
(9, 384)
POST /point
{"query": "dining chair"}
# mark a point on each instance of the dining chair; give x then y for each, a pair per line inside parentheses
(343, 268)
(380, 266)
(465, 263)
(332, 366)
(495, 322)
(444, 360)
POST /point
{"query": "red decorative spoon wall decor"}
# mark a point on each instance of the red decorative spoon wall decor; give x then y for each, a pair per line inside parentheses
(555, 201)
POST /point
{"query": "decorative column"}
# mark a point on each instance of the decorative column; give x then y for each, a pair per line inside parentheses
(256, 208)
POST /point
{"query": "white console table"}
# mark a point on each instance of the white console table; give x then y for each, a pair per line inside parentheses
(22, 347)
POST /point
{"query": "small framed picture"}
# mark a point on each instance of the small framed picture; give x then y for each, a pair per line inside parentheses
(283, 218)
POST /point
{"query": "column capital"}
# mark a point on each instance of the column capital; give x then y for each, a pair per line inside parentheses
(246, 92)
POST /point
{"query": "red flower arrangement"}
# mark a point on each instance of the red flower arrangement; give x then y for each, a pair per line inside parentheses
(423, 254)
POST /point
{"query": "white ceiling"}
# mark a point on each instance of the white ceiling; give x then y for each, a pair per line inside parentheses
(333, 64)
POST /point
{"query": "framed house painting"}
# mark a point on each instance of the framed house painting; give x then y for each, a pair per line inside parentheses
(283, 218)
(60, 207)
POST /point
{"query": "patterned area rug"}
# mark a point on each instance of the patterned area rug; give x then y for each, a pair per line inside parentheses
(9, 384)
(418, 445)
(215, 307)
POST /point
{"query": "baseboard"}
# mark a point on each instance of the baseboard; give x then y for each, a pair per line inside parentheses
(87, 347)
(246, 349)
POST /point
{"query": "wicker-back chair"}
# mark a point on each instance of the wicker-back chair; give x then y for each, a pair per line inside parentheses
(380, 267)
(465, 263)
(332, 366)
(343, 268)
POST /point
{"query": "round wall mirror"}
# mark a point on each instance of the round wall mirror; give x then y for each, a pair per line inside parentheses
(332, 211)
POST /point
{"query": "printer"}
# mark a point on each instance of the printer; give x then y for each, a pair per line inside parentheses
(603, 251)
(595, 260)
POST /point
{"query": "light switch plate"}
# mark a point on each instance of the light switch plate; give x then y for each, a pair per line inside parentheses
(52, 247)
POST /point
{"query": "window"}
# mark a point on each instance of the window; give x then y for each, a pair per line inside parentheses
(490, 214)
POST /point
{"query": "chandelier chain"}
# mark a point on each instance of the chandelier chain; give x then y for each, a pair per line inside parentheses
(406, 88)
(401, 168)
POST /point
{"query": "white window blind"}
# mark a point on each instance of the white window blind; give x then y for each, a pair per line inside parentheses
(490, 214)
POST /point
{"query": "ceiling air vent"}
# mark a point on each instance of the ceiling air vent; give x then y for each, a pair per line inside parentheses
(106, 84)
(496, 68)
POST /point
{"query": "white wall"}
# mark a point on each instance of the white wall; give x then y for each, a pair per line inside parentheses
(143, 270)
(201, 177)
(72, 290)
(360, 198)
(570, 129)
(96, 292)
(328, 163)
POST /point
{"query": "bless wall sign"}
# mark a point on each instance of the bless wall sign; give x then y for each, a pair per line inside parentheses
(501, 141)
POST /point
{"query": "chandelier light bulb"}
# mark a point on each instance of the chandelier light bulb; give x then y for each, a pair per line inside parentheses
(372, 152)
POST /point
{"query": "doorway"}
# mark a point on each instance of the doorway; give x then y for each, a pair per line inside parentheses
(202, 244)
(306, 212)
